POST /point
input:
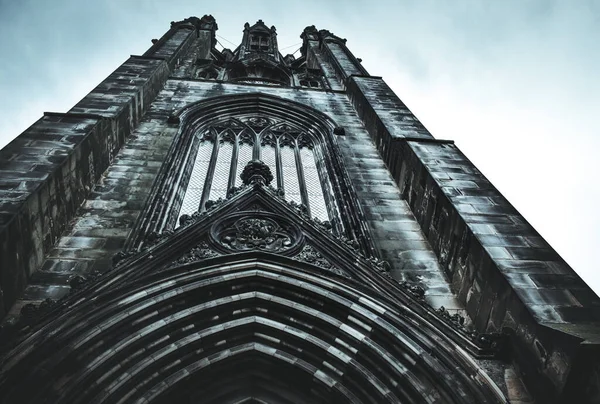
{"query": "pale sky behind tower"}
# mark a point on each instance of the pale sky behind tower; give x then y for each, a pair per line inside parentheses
(515, 83)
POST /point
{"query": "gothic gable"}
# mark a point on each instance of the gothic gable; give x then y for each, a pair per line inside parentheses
(254, 218)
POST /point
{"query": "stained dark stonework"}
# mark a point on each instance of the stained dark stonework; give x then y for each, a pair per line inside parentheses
(424, 286)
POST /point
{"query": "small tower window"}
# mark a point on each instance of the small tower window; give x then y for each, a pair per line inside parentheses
(264, 43)
(254, 42)
(259, 43)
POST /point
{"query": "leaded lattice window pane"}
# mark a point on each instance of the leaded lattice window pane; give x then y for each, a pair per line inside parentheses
(221, 176)
(313, 185)
(290, 175)
(245, 155)
(193, 194)
(268, 156)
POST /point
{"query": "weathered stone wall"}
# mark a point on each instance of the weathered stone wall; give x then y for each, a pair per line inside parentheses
(508, 277)
(45, 174)
(49, 170)
(383, 113)
(396, 234)
(432, 214)
(173, 46)
(344, 62)
(111, 209)
(318, 60)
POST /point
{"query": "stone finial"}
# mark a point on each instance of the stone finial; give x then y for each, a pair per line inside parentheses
(256, 172)
(207, 22)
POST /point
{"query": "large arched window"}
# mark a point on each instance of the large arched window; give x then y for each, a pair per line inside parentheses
(226, 146)
(215, 139)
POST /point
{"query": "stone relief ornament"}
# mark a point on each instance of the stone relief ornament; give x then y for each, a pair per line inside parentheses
(257, 122)
(256, 171)
(256, 234)
(312, 256)
(256, 230)
(201, 252)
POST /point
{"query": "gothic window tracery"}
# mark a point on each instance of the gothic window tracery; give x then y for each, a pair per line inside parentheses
(226, 146)
(311, 80)
(259, 43)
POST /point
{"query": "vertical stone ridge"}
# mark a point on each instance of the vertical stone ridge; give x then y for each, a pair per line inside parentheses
(50, 169)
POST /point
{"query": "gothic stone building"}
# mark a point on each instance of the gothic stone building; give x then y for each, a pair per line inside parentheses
(240, 226)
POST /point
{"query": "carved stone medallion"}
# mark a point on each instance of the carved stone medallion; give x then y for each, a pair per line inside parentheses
(254, 230)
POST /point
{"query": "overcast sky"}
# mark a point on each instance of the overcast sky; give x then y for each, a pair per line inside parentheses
(514, 83)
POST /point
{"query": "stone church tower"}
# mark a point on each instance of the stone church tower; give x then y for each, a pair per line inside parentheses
(241, 226)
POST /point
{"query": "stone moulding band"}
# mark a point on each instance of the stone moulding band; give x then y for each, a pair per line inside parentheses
(231, 309)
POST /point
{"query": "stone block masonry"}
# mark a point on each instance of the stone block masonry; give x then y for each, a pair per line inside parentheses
(50, 169)
(503, 272)
(507, 276)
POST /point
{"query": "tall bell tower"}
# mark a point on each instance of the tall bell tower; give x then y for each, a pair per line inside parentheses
(243, 226)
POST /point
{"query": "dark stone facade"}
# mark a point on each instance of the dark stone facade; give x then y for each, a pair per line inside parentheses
(430, 288)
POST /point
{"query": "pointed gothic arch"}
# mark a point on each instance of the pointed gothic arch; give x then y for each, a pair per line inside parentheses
(197, 122)
(154, 339)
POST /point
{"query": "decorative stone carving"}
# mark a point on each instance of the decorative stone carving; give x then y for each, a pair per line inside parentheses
(201, 252)
(268, 139)
(211, 204)
(492, 341)
(154, 238)
(121, 255)
(256, 172)
(414, 290)
(78, 282)
(233, 191)
(30, 313)
(256, 234)
(380, 265)
(287, 140)
(257, 122)
(247, 137)
(350, 243)
(323, 224)
(256, 230)
(312, 256)
(206, 22)
(455, 319)
(305, 141)
(299, 208)
(489, 341)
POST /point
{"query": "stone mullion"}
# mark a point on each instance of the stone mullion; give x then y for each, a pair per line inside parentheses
(211, 171)
(234, 161)
(301, 181)
(256, 148)
(279, 166)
